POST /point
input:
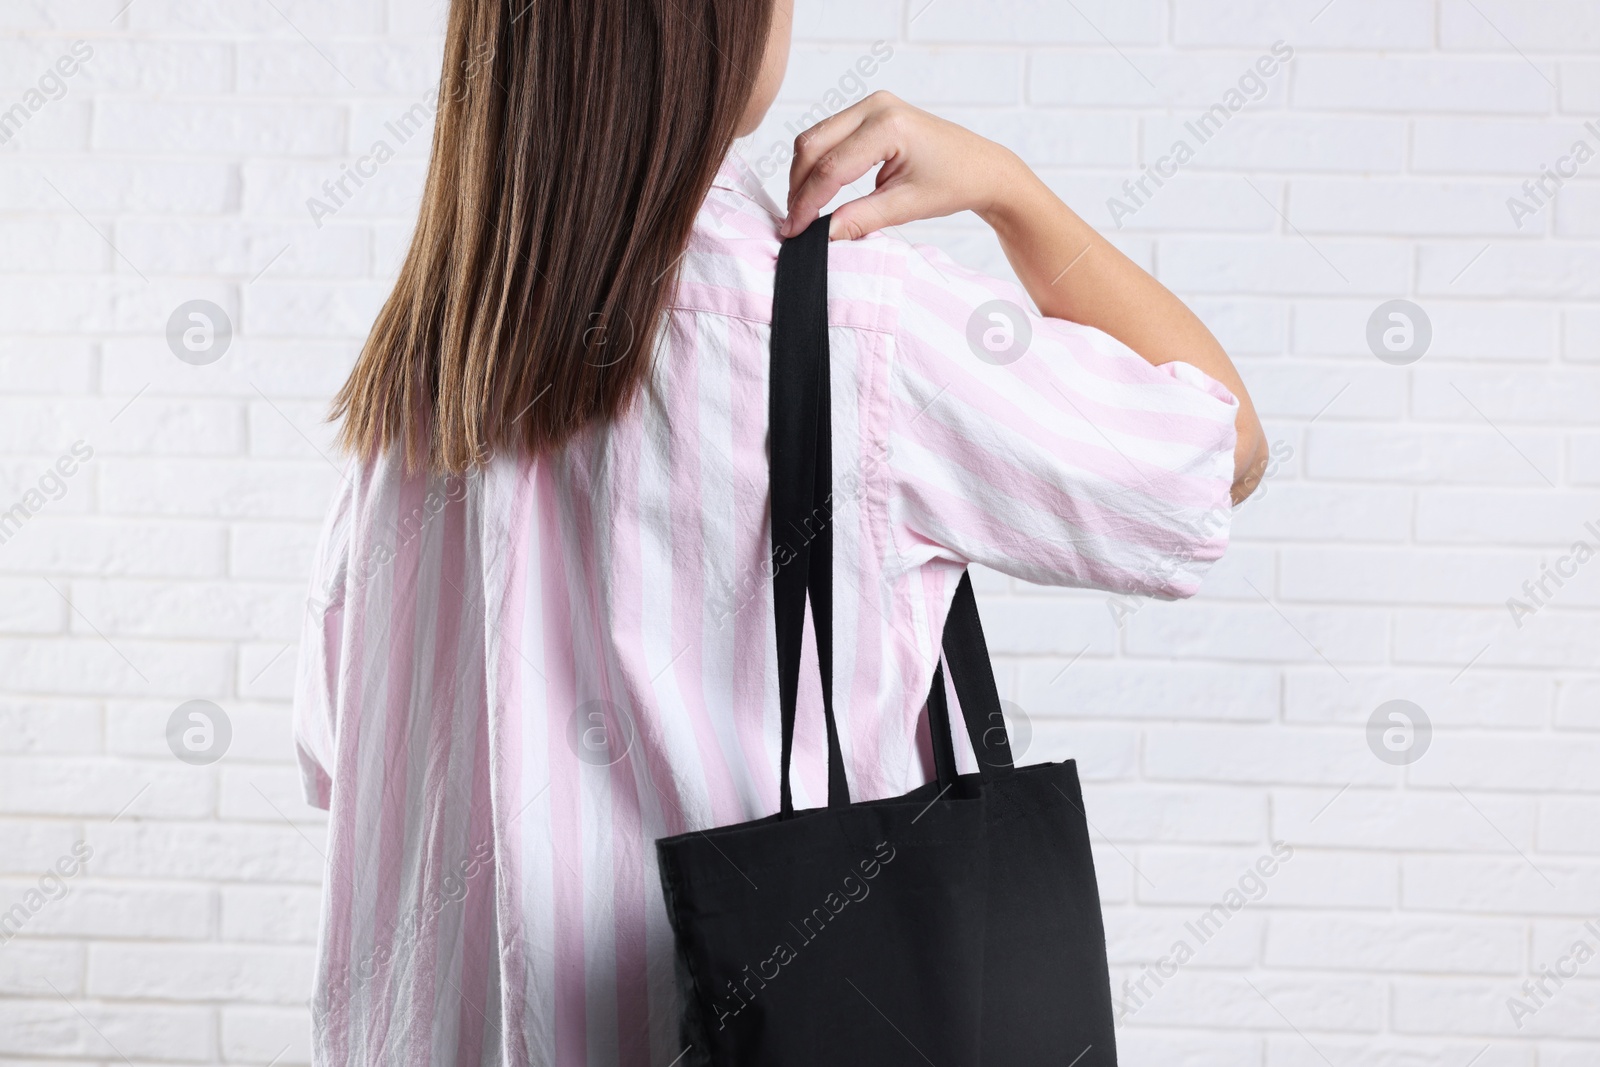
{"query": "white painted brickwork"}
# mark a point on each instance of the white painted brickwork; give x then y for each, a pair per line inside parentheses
(164, 912)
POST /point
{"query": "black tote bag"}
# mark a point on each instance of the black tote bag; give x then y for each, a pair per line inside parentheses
(956, 926)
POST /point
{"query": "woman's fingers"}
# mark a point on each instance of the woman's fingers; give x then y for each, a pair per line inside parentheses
(833, 154)
(893, 204)
(850, 160)
(821, 139)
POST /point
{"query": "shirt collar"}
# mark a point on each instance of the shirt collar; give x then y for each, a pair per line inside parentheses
(736, 176)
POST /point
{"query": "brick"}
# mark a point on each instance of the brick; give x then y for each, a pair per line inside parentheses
(1461, 330)
(259, 1034)
(78, 666)
(206, 489)
(264, 794)
(851, 19)
(1550, 26)
(1279, 1002)
(1477, 698)
(272, 551)
(1432, 456)
(1505, 884)
(1291, 512)
(1393, 1050)
(46, 365)
(193, 610)
(1554, 938)
(1136, 22)
(208, 851)
(291, 17)
(270, 914)
(30, 607)
(1516, 148)
(1187, 1048)
(1256, 632)
(1407, 24)
(149, 427)
(105, 788)
(40, 727)
(1578, 705)
(1186, 202)
(1142, 814)
(58, 544)
(1483, 761)
(1419, 84)
(52, 15)
(47, 1027)
(53, 246)
(29, 968)
(1451, 395)
(216, 129)
(1307, 390)
(247, 251)
(96, 908)
(289, 68)
(1400, 207)
(289, 429)
(1268, 754)
(1540, 271)
(1135, 939)
(1268, 141)
(1046, 140)
(934, 76)
(1108, 690)
(1183, 80)
(261, 732)
(1394, 944)
(1287, 265)
(1577, 209)
(1500, 517)
(1033, 627)
(1570, 824)
(1581, 335)
(200, 973)
(1400, 575)
(1102, 753)
(1467, 640)
(1479, 1008)
(281, 369)
(1245, 327)
(327, 309)
(157, 67)
(157, 186)
(1580, 87)
(28, 847)
(1309, 878)
(1411, 821)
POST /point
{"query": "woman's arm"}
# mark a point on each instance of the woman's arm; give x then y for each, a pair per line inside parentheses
(933, 168)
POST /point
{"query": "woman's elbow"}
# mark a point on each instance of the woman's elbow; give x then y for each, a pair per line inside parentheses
(1250, 456)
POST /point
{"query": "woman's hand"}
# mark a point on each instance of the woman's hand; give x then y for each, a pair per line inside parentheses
(931, 168)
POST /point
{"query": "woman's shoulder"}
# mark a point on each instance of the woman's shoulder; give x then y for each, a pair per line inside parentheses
(731, 263)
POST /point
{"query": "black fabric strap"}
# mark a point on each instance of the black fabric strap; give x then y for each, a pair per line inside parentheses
(801, 447)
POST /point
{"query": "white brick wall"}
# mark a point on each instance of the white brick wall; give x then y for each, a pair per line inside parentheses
(1406, 505)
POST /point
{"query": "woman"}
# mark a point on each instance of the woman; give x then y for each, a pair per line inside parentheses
(542, 631)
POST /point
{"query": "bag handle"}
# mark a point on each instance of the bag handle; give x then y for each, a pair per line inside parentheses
(802, 539)
(800, 423)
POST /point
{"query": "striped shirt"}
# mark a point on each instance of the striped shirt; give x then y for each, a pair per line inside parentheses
(512, 683)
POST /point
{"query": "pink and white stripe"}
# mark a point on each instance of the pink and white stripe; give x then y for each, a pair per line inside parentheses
(492, 897)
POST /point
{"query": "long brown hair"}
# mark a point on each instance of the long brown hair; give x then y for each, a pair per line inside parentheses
(574, 143)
